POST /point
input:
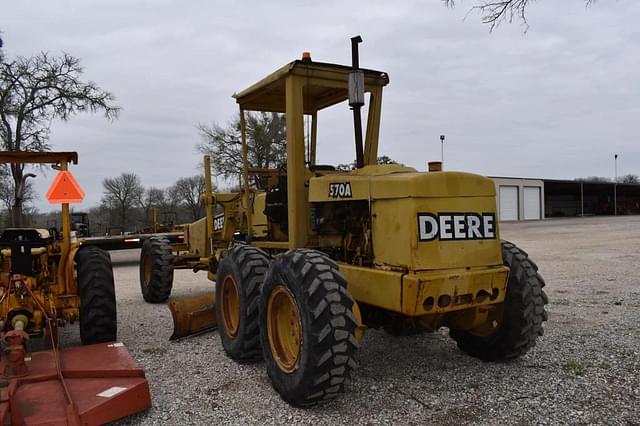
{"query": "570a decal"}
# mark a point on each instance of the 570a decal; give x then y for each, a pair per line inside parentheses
(340, 190)
(456, 226)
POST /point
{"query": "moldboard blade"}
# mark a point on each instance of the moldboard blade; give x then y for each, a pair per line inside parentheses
(193, 315)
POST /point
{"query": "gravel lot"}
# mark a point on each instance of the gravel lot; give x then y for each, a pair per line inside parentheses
(584, 370)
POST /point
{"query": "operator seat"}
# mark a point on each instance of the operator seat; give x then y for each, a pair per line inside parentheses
(20, 242)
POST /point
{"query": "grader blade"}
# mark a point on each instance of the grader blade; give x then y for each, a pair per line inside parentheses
(193, 315)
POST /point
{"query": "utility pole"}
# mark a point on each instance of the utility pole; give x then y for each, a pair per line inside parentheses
(615, 185)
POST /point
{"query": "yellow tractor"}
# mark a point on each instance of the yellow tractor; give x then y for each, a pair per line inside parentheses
(47, 279)
(45, 274)
(303, 267)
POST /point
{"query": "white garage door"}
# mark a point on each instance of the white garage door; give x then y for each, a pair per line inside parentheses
(531, 202)
(508, 203)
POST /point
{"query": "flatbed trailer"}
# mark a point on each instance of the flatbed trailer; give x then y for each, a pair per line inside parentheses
(131, 241)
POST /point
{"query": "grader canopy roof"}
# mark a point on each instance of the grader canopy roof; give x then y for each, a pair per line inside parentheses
(327, 85)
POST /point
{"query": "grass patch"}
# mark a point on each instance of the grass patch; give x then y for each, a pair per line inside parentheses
(574, 367)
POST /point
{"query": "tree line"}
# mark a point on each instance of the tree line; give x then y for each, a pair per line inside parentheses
(127, 205)
(624, 179)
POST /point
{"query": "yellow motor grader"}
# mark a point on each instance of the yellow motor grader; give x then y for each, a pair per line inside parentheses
(303, 267)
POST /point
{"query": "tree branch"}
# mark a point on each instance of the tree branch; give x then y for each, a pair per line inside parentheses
(494, 13)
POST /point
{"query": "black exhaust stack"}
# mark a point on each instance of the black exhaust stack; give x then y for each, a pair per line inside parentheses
(356, 98)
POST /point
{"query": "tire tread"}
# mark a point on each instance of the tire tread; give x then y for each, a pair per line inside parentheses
(98, 315)
(160, 285)
(524, 307)
(329, 306)
(252, 264)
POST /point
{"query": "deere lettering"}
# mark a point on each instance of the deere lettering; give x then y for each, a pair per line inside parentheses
(456, 226)
(218, 223)
(340, 190)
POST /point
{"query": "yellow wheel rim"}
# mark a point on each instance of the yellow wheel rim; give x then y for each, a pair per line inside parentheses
(147, 265)
(284, 328)
(230, 306)
(492, 324)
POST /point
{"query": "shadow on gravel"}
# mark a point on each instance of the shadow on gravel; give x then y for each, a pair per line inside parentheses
(123, 263)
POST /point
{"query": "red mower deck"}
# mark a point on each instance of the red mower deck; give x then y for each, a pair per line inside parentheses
(94, 385)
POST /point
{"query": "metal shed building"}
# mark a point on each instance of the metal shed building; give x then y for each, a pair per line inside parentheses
(519, 199)
(535, 199)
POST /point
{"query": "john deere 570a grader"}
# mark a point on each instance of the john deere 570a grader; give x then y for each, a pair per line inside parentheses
(303, 267)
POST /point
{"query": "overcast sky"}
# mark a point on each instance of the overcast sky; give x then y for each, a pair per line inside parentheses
(556, 102)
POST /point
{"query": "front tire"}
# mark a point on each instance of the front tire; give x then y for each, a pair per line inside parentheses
(156, 270)
(517, 322)
(307, 327)
(238, 283)
(98, 317)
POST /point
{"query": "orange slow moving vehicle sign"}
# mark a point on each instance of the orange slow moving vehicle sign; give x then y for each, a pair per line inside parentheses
(65, 189)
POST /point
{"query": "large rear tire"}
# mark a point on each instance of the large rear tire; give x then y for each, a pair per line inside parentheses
(98, 317)
(156, 270)
(238, 283)
(515, 325)
(307, 327)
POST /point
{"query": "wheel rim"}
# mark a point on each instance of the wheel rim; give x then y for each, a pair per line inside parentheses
(147, 265)
(492, 324)
(230, 306)
(284, 328)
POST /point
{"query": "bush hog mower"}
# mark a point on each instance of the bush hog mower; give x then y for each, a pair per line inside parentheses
(303, 267)
(47, 280)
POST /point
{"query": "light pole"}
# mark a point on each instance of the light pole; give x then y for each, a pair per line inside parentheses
(442, 149)
(615, 184)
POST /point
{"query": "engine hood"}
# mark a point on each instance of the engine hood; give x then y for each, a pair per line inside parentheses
(393, 181)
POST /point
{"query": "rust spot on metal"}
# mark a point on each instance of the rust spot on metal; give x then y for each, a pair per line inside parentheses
(390, 268)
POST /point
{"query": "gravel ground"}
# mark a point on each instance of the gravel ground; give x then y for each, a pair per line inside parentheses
(584, 370)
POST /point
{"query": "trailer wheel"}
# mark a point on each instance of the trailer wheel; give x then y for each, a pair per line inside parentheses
(307, 327)
(98, 318)
(238, 283)
(156, 270)
(516, 324)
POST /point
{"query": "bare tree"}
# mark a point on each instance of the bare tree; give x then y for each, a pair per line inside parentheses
(6, 187)
(266, 140)
(122, 193)
(383, 159)
(593, 179)
(188, 191)
(35, 91)
(7, 191)
(630, 178)
(171, 199)
(496, 12)
(149, 198)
